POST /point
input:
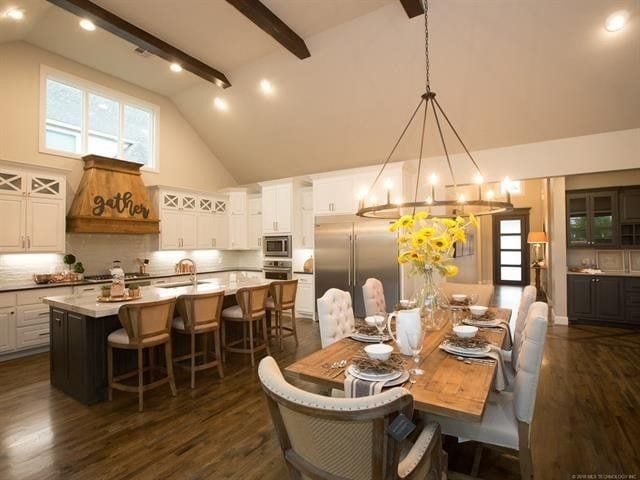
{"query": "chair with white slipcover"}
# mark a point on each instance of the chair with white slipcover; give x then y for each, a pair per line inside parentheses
(483, 290)
(526, 300)
(346, 438)
(335, 316)
(373, 296)
(507, 419)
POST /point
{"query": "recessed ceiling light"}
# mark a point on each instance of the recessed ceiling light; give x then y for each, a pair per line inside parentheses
(14, 14)
(87, 24)
(175, 67)
(616, 21)
(266, 86)
(220, 104)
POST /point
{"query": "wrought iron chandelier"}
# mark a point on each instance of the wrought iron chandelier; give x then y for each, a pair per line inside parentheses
(460, 206)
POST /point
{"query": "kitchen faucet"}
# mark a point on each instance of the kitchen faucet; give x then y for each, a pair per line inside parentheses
(193, 271)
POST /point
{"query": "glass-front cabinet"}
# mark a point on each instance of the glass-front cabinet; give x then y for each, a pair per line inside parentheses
(592, 219)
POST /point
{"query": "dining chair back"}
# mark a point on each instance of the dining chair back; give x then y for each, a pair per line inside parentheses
(201, 309)
(373, 295)
(252, 301)
(483, 290)
(528, 297)
(335, 316)
(339, 438)
(145, 320)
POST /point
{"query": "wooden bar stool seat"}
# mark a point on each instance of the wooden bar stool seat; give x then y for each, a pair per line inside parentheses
(282, 299)
(145, 326)
(199, 316)
(251, 311)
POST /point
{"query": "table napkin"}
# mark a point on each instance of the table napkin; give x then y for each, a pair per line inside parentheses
(355, 387)
(502, 380)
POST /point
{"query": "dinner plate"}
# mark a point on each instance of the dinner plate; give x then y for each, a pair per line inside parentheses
(373, 377)
(483, 323)
(465, 352)
(360, 337)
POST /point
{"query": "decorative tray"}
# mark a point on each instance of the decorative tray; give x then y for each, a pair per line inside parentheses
(124, 298)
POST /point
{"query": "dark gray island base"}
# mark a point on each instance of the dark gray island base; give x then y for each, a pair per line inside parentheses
(78, 354)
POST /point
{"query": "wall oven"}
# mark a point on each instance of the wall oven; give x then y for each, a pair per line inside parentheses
(277, 246)
(277, 269)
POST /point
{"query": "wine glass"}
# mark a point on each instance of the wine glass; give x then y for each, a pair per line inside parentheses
(380, 319)
(473, 299)
(416, 339)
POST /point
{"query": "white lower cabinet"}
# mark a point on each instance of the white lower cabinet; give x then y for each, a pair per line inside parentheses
(305, 298)
(7, 329)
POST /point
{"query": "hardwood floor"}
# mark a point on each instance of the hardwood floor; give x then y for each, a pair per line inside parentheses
(587, 420)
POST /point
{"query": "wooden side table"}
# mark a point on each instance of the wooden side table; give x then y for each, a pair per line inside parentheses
(541, 296)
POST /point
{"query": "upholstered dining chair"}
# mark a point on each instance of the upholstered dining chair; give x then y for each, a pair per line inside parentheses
(250, 311)
(145, 326)
(335, 316)
(507, 418)
(282, 299)
(526, 300)
(373, 295)
(199, 316)
(483, 290)
(347, 438)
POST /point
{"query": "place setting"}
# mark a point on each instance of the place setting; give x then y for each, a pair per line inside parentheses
(371, 329)
(481, 317)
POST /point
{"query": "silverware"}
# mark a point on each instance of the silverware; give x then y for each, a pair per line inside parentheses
(480, 361)
(340, 371)
(339, 364)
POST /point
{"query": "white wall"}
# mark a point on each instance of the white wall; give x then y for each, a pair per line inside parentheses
(184, 159)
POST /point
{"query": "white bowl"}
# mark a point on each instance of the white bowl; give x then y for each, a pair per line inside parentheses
(459, 297)
(465, 331)
(477, 310)
(405, 302)
(370, 320)
(378, 351)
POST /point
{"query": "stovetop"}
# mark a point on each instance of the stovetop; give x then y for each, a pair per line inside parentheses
(107, 276)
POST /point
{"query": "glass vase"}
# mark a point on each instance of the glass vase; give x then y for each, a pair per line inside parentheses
(427, 298)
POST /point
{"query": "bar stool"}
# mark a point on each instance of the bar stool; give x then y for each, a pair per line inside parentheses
(251, 311)
(146, 325)
(199, 315)
(283, 297)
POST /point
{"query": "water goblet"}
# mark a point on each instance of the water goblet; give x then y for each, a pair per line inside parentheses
(380, 319)
(416, 339)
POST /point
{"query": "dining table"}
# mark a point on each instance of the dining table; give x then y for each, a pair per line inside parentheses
(449, 386)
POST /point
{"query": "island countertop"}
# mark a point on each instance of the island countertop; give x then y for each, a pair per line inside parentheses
(89, 306)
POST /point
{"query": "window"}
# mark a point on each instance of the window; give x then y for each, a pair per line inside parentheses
(80, 118)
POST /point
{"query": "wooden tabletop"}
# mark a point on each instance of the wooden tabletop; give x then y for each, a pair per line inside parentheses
(449, 387)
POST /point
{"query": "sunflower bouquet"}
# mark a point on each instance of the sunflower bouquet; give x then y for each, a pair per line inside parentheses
(427, 243)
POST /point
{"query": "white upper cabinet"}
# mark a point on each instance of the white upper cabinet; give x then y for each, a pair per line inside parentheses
(178, 220)
(238, 233)
(32, 208)
(254, 219)
(277, 205)
(212, 223)
(333, 195)
(307, 220)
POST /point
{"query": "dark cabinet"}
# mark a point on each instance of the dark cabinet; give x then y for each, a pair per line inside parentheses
(630, 218)
(592, 219)
(78, 354)
(603, 300)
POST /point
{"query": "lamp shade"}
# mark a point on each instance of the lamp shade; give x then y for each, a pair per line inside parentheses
(537, 237)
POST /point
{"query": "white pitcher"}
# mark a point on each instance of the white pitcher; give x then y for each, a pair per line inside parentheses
(406, 321)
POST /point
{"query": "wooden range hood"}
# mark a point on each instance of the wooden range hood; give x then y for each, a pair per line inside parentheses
(111, 198)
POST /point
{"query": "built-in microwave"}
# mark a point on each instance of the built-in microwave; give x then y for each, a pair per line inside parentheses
(277, 246)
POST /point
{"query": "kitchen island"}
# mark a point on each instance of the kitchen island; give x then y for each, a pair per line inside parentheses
(80, 325)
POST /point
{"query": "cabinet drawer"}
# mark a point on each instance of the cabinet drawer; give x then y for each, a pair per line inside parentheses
(632, 285)
(632, 315)
(32, 315)
(7, 300)
(32, 336)
(36, 295)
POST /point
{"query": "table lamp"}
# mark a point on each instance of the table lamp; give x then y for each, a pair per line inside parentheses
(537, 239)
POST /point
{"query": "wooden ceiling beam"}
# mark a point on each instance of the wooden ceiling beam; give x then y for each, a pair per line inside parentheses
(264, 18)
(412, 7)
(118, 26)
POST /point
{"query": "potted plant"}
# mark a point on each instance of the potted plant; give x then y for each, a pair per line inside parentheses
(69, 259)
(105, 291)
(78, 268)
(134, 290)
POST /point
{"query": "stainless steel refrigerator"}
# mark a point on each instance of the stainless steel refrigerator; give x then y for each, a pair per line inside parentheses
(348, 253)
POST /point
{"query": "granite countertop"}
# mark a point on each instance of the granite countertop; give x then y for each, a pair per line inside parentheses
(32, 285)
(87, 304)
(605, 274)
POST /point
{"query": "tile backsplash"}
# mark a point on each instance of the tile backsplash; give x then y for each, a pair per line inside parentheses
(587, 258)
(97, 251)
